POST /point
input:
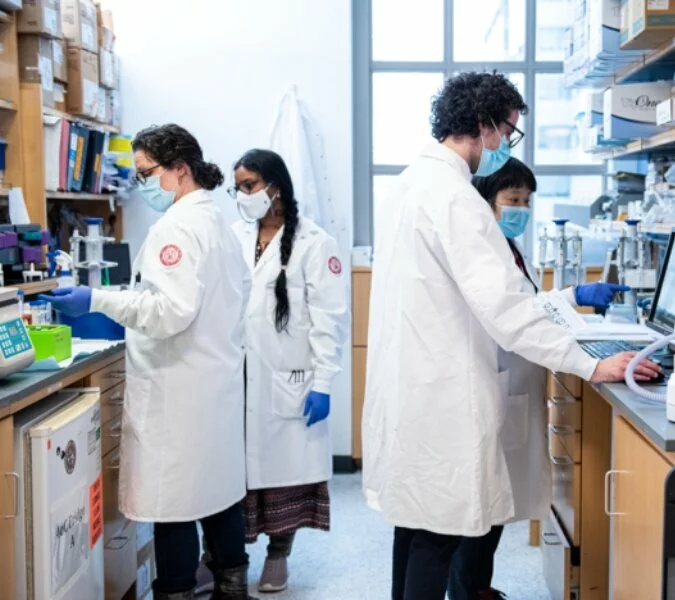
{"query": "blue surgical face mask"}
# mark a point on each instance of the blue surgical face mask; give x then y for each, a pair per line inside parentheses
(514, 220)
(155, 196)
(493, 160)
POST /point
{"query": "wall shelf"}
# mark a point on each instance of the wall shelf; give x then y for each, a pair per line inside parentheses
(36, 287)
(651, 66)
(52, 112)
(662, 141)
(7, 105)
(79, 196)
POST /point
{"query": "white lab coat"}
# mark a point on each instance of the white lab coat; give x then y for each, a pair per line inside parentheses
(296, 137)
(446, 294)
(524, 433)
(282, 368)
(182, 449)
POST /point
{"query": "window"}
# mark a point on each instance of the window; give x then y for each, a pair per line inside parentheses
(403, 51)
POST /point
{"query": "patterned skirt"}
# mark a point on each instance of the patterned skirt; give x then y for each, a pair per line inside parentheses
(282, 511)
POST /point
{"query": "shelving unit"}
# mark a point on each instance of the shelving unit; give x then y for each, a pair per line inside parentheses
(79, 196)
(36, 287)
(88, 122)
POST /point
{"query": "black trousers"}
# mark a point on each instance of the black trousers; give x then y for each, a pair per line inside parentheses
(473, 565)
(421, 564)
(177, 549)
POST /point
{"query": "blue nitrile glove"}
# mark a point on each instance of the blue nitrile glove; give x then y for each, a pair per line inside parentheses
(71, 301)
(597, 294)
(317, 406)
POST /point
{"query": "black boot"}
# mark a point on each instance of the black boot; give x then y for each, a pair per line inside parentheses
(232, 584)
(190, 595)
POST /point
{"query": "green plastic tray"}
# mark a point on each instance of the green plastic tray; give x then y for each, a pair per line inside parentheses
(51, 340)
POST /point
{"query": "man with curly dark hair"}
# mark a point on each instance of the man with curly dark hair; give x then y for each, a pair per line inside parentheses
(446, 295)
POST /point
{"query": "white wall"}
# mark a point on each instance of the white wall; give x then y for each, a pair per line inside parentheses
(220, 68)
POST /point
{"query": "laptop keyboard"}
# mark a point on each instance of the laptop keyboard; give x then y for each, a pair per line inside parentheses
(606, 348)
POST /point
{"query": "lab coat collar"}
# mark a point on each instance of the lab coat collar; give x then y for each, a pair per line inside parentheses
(440, 151)
(249, 246)
(196, 197)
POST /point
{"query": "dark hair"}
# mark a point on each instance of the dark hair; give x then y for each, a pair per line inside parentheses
(171, 145)
(514, 174)
(272, 168)
(472, 99)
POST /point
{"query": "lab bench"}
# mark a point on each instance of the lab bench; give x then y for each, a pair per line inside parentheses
(128, 546)
(609, 534)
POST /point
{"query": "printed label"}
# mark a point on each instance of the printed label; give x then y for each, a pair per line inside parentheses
(57, 52)
(90, 97)
(47, 73)
(88, 37)
(69, 523)
(51, 18)
(96, 511)
(658, 4)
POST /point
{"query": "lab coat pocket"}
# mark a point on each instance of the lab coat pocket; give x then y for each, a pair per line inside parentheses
(515, 428)
(289, 392)
(136, 399)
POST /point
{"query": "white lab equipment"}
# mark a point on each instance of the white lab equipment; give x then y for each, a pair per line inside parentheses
(16, 349)
(64, 262)
(93, 260)
(566, 256)
(633, 261)
(59, 498)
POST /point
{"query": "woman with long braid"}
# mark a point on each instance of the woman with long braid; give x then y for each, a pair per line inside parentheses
(296, 326)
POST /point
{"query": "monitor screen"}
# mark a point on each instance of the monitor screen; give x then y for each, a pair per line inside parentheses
(662, 316)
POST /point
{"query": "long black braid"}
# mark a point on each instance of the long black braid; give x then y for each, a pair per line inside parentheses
(271, 167)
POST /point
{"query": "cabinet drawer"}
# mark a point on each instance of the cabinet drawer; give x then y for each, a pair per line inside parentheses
(564, 441)
(109, 376)
(112, 403)
(120, 562)
(571, 383)
(567, 494)
(564, 410)
(111, 433)
(562, 578)
(113, 519)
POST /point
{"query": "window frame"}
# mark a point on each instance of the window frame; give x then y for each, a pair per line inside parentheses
(363, 69)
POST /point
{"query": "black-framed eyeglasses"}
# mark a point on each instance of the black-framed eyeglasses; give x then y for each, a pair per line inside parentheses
(517, 135)
(141, 177)
(247, 187)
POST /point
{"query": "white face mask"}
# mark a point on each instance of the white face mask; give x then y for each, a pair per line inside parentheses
(253, 207)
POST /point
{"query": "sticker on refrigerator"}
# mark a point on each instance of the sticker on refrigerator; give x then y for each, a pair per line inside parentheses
(69, 521)
(95, 511)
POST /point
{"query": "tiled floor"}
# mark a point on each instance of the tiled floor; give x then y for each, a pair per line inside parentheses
(353, 562)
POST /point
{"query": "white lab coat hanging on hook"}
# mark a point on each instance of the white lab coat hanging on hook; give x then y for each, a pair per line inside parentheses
(296, 138)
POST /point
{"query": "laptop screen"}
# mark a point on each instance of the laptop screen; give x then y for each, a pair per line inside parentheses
(662, 316)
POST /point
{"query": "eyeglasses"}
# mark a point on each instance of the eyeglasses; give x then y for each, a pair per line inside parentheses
(247, 187)
(517, 135)
(141, 177)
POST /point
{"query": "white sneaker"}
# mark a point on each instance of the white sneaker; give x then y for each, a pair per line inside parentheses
(275, 576)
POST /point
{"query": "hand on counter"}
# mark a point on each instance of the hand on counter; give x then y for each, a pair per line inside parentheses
(598, 295)
(71, 301)
(613, 369)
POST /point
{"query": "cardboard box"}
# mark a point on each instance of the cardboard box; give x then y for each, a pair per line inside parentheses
(630, 109)
(107, 69)
(60, 61)
(41, 17)
(646, 24)
(83, 91)
(35, 64)
(78, 18)
(60, 94)
(106, 29)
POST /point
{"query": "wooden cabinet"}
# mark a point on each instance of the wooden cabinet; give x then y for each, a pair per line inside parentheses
(361, 277)
(8, 508)
(637, 482)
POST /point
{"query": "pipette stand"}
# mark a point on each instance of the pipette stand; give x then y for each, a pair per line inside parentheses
(566, 261)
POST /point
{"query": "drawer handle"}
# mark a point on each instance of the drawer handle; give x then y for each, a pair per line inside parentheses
(561, 461)
(562, 400)
(115, 430)
(564, 430)
(114, 463)
(115, 400)
(17, 481)
(609, 478)
(553, 536)
(116, 375)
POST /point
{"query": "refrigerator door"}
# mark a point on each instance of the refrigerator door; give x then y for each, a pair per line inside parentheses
(67, 502)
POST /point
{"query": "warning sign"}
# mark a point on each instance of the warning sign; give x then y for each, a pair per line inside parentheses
(95, 511)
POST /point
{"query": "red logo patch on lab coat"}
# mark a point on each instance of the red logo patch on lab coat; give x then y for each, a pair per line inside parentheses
(170, 255)
(335, 265)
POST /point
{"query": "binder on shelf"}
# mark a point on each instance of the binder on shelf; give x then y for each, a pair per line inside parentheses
(63, 155)
(95, 149)
(77, 157)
